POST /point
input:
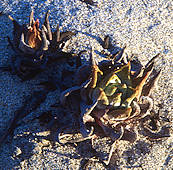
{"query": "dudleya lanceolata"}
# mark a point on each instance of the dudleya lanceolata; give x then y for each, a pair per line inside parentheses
(115, 97)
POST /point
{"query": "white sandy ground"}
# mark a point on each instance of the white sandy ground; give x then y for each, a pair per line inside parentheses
(144, 26)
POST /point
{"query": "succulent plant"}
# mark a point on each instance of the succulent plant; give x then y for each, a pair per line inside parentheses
(114, 96)
(36, 47)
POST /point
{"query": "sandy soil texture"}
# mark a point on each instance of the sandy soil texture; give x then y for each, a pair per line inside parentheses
(144, 26)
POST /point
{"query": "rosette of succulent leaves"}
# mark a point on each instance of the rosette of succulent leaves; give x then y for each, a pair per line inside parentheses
(36, 47)
(113, 97)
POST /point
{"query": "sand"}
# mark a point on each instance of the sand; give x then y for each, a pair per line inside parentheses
(145, 27)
